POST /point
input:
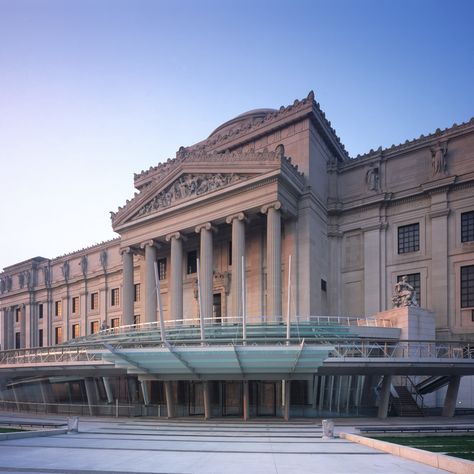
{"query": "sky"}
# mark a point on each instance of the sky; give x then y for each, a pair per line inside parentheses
(93, 91)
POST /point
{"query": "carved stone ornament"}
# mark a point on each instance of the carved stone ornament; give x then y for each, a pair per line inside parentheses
(438, 158)
(21, 280)
(404, 294)
(186, 186)
(103, 259)
(84, 264)
(65, 270)
(3, 286)
(372, 179)
(47, 275)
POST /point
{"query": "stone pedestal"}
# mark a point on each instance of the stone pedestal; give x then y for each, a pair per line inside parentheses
(416, 324)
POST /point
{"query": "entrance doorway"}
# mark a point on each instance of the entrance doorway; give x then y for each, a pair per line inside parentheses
(266, 398)
(231, 398)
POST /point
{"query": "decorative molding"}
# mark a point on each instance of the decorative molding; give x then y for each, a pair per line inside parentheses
(240, 216)
(175, 235)
(149, 243)
(439, 213)
(187, 186)
(205, 226)
(276, 205)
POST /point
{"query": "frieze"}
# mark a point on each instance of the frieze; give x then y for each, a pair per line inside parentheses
(186, 186)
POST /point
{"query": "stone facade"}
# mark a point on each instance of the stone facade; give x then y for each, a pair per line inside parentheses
(263, 186)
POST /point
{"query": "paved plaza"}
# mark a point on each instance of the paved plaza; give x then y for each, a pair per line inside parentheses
(187, 446)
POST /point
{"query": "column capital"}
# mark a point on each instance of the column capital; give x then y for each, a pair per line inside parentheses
(149, 243)
(275, 205)
(176, 236)
(124, 250)
(205, 226)
(240, 216)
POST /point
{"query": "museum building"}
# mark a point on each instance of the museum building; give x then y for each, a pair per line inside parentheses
(265, 228)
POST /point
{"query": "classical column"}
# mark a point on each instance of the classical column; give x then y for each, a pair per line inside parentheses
(128, 287)
(206, 270)
(238, 251)
(176, 282)
(150, 284)
(5, 329)
(274, 309)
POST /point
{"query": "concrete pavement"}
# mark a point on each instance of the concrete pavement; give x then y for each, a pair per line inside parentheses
(187, 446)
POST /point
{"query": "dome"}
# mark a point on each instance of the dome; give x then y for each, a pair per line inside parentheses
(250, 116)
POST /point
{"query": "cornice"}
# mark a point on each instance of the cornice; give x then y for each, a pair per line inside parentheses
(421, 142)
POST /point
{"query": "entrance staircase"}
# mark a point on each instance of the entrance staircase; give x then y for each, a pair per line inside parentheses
(405, 405)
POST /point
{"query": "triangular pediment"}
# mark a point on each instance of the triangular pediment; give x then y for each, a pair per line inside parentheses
(194, 175)
(186, 187)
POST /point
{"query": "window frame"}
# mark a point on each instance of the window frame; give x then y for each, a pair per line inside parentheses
(466, 293)
(467, 227)
(406, 241)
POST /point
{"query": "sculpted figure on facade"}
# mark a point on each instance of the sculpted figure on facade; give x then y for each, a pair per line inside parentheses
(186, 186)
(65, 270)
(372, 179)
(438, 158)
(84, 265)
(404, 294)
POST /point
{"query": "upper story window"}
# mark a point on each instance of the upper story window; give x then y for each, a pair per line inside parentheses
(94, 327)
(115, 322)
(467, 226)
(58, 308)
(115, 297)
(162, 268)
(94, 301)
(409, 238)
(467, 286)
(76, 331)
(58, 335)
(40, 311)
(192, 262)
(17, 315)
(75, 304)
(136, 292)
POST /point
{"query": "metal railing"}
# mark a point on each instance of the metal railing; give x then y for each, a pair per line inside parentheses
(348, 347)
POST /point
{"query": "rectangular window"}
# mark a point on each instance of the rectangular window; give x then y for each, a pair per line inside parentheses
(17, 315)
(192, 262)
(115, 322)
(75, 305)
(94, 301)
(136, 319)
(115, 297)
(324, 285)
(467, 286)
(58, 308)
(40, 338)
(40, 311)
(76, 331)
(162, 268)
(58, 335)
(230, 253)
(467, 226)
(414, 279)
(94, 327)
(409, 238)
(136, 292)
(17, 340)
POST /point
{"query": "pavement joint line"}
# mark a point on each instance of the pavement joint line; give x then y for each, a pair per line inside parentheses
(166, 450)
(205, 441)
(75, 471)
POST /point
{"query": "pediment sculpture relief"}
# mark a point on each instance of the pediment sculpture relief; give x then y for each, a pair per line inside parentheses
(186, 186)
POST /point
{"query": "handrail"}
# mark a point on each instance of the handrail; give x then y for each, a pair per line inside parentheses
(337, 347)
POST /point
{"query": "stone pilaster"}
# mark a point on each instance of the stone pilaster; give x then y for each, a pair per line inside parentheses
(274, 307)
(238, 251)
(128, 288)
(150, 284)
(176, 282)
(206, 270)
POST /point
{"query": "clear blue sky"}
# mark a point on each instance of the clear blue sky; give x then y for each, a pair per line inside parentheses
(92, 91)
